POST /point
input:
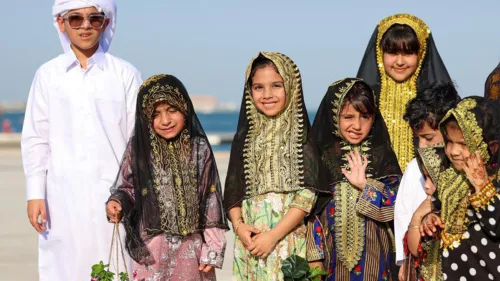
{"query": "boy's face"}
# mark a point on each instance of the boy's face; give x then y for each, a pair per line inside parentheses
(456, 148)
(400, 66)
(428, 136)
(84, 36)
(168, 121)
(354, 125)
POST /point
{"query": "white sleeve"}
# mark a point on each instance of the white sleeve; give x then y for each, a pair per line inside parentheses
(131, 94)
(35, 147)
(411, 183)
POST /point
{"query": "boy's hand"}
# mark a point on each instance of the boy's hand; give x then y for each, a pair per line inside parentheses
(476, 172)
(206, 267)
(263, 244)
(356, 176)
(113, 211)
(244, 233)
(37, 208)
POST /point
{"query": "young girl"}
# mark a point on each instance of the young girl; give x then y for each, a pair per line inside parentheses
(273, 170)
(168, 190)
(467, 192)
(400, 59)
(425, 256)
(351, 236)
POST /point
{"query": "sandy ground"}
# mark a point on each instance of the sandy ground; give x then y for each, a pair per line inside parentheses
(18, 240)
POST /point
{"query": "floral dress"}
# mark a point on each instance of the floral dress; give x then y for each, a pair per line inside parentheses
(264, 212)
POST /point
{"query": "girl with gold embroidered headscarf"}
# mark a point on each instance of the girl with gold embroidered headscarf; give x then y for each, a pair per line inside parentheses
(425, 255)
(273, 170)
(468, 192)
(168, 191)
(400, 59)
(351, 235)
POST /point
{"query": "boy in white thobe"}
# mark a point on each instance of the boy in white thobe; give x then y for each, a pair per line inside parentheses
(79, 116)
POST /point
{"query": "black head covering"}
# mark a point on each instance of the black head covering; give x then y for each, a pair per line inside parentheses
(167, 186)
(332, 146)
(333, 150)
(391, 101)
(492, 84)
(272, 154)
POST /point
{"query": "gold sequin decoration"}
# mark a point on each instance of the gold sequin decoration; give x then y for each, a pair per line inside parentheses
(395, 95)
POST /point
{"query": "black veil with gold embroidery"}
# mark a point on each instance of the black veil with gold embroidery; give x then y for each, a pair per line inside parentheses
(332, 146)
(167, 186)
(392, 96)
(432, 70)
(291, 143)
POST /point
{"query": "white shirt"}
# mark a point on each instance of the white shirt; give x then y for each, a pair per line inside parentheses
(75, 132)
(411, 194)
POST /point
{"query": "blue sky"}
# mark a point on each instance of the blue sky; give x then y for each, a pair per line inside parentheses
(208, 44)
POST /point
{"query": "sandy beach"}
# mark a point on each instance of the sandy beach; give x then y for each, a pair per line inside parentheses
(18, 240)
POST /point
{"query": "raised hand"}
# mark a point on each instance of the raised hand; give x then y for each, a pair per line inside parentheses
(357, 174)
(476, 172)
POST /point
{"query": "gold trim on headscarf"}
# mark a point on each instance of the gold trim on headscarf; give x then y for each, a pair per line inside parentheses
(273, 154)
(161, 93)
(172, 164)
(453, 186)
(394, 96)
(431, 161)
(349, 225)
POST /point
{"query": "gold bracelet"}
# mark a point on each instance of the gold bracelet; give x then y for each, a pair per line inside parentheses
(413, 226)
(239, 220)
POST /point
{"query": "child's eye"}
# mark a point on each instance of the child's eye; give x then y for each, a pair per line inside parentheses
(277, 86)
(172, 109)
(257, 87)
(365, 116)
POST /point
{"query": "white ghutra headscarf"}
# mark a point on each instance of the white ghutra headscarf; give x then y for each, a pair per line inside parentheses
(108, 7)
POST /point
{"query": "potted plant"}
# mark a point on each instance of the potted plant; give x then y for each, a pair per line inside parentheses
(100, 272)
(295, 268)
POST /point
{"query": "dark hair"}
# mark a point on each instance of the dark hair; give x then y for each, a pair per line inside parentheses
(361, 97)
(400, 38)
(258, 63)
(430, 105)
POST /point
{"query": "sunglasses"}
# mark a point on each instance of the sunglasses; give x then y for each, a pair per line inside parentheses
(76, 21)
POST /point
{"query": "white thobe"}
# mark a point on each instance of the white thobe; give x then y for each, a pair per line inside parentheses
(411, 194)
(75, 132)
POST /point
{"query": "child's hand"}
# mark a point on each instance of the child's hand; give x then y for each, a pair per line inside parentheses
(206, 267)
(245, 232)
(263, 244)
(314, 264)
(36, 209)
(429, 224)
(424, 208)
(475, 170)
(356, 176)
(113, 211)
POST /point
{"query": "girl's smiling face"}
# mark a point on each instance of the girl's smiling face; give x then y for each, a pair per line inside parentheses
(268, 91)
(168, 121)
